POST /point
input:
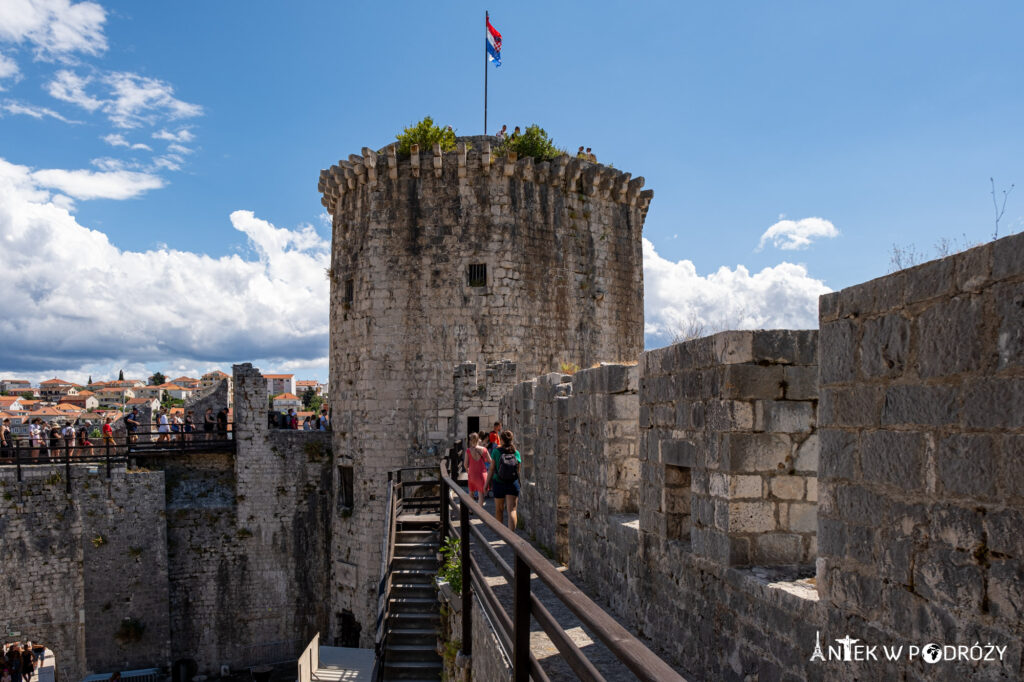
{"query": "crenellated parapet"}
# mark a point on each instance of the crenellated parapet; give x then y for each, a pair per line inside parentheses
(476, 157)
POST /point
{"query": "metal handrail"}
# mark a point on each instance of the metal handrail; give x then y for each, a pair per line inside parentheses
(386, 554)
(644, 663)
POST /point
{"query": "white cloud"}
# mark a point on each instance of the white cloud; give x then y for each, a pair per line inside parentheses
(118, 140)
(56, 28)
(141, 100)
(179, 149)
(86, 184)
(74, 300)
(8, 68)
(790, 235)
(68, 86)
(676, 297)
(18, 108)
(183, 135)
(133, 100)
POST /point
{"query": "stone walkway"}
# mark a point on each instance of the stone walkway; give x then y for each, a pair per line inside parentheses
(543, 649)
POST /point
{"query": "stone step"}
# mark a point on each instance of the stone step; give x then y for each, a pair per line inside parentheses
(416, 536)
(412, 548)
(414, 620)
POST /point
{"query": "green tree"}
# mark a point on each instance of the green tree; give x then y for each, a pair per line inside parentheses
(120, 375)
(425, 134)
(311, 401)
(533, 142)
(157, 379)
(90, 378)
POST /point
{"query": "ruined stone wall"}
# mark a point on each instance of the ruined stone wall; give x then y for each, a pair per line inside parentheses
(249, 539)
(215, 557)
(77, 565)
(561, 244)
(920, 501)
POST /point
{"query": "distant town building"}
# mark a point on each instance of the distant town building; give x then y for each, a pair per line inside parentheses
(280, 383)
(151, 403)
(8, 385)
(287, 401)
(114, 397)
(186, 382)
(53, 389)
(85, 400)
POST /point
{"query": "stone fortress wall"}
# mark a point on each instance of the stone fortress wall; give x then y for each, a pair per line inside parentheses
(215, 558)
(418, 351)
(863, 481)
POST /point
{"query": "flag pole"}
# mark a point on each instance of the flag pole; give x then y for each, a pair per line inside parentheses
(487, 17)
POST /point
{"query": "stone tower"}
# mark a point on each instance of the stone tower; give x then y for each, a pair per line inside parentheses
(445, 260)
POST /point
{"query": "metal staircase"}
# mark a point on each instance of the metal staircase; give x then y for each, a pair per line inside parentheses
(409, 616)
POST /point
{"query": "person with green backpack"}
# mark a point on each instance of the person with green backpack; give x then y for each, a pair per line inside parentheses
(503, 478)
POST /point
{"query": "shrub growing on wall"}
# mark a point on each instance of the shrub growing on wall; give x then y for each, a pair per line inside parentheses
(426, 134)
(533, 142)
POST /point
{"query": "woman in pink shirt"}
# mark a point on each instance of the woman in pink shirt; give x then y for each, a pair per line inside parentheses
(476, 459)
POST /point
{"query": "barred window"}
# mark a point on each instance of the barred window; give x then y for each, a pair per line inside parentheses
(350, 291)
(476, 275)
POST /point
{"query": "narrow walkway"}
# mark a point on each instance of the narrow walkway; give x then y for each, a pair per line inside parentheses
(343, 664)
(543, 649)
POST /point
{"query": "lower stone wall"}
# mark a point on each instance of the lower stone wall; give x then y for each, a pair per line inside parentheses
(488, 661)
(85, 573)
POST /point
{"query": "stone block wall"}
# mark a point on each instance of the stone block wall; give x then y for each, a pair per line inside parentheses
(477, 396)
(921, 500)
(77, 565)
(922, 448)
(728, 441)
(545, 482)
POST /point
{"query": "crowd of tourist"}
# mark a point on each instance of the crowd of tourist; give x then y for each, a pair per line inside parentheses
(290, 420)
(20, 661)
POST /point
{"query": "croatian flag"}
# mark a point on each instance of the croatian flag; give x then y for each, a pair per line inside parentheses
(493, 44)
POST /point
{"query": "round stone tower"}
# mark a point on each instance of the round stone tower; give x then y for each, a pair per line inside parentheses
(446, 262)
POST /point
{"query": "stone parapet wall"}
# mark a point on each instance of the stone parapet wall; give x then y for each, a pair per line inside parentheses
(916, 532)
(922, 447)
(728, 442)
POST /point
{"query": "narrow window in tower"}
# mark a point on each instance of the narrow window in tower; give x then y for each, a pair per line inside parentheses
(476, 275)
(350, 291)
(346, 492)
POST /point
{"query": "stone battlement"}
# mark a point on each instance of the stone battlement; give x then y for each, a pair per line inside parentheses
(477, 157)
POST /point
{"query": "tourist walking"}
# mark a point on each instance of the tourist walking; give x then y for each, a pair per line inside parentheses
(163, 427)
(503, 479)
(6, 439)
(190, 425)
(475, 464)
(324, 421)
(131, 424)
(222, 424)
(503, 133)
(108, 432)
(209, 421)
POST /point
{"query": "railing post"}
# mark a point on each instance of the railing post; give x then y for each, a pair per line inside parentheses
(443, 491)
(106, 449)
(467, 585)
(67, 466)
(521, 621)
(17, 457)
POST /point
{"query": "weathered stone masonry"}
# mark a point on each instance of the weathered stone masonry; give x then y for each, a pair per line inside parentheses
(915, 445)
(556, 250)
(222, 559)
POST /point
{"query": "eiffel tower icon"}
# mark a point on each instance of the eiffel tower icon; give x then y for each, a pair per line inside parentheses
(818, 655)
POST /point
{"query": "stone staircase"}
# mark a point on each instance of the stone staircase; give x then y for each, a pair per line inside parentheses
(411, 630)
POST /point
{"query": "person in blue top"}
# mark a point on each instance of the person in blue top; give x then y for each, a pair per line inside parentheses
(503, 478)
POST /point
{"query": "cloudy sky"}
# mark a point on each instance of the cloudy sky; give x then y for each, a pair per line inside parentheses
(158, 163)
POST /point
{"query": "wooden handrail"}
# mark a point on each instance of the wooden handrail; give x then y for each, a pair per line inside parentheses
(643, 662)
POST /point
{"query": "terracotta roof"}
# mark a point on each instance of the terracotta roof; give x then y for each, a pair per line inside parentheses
(286, 396)
(55, 380)
(140, 401)
(85, 394)
(112, 390)
(171, 387)
(215, 373)
(16, 381)
(278, 376)
(307, 382)
(183, 379)
(6, 400)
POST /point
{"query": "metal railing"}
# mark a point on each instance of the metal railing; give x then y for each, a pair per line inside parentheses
(386, 554)
(514, 630)
(111, 450)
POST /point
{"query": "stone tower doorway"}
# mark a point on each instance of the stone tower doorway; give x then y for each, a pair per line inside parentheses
(472, 426)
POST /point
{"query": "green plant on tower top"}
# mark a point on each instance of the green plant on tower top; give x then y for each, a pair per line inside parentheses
(426, 135)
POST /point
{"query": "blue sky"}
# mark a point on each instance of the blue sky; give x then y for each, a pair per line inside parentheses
(883, 121)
